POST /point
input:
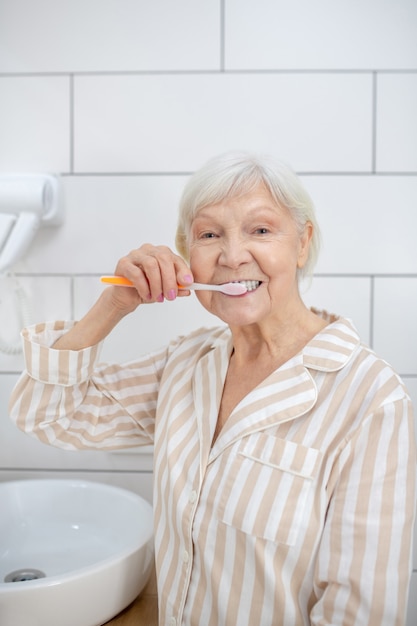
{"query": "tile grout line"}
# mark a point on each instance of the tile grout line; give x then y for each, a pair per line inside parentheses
(71, 122)
(101, 174)
(167, 72)
(222, 35)
(374, 120)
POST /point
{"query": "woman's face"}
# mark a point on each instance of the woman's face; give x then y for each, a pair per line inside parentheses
(248, 238)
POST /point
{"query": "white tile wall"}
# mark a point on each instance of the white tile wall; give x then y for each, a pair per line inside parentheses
(174, 123)
(396, 140)
(321, 35)
(367, 222)
(34, 123)
(106, 217)
(350, 294)
(125, 99)
(103, 35)
(44, 298)
(395, 332)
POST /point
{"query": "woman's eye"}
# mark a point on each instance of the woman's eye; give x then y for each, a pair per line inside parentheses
(262, 231)
(207, 235)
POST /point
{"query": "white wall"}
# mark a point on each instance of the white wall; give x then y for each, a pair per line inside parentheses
(124, 99)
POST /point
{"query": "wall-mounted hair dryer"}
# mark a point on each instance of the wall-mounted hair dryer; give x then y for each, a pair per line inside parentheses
(27, 202)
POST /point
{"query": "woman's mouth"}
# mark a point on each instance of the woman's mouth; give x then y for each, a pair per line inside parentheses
(250, 285)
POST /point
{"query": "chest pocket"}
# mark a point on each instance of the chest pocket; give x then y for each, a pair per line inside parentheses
(266, 486)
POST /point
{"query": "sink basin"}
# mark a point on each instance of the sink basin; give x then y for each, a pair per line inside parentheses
(72, 553)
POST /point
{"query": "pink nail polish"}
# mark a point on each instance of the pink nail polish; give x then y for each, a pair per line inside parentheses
(171, 294)
(188, 278)
(160, 298)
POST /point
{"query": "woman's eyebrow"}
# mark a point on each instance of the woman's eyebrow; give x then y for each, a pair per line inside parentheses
(208, 214)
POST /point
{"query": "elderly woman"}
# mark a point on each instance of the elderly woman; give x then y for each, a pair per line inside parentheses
(284, 460)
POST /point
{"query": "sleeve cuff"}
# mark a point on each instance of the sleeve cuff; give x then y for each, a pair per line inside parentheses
(56, 367)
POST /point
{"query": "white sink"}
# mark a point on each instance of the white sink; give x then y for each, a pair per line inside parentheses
(92, 543)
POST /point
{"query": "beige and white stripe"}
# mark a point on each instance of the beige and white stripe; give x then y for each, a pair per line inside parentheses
(300, 513)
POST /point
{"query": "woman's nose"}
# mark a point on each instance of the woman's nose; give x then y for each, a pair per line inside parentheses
(234, 252)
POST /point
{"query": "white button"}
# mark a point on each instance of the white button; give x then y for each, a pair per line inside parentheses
(185, 556)
(193, 496)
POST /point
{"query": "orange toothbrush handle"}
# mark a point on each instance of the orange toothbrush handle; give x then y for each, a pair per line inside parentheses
(116, 280)
(125, 282)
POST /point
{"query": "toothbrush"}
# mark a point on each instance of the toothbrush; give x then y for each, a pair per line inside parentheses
(230, 289)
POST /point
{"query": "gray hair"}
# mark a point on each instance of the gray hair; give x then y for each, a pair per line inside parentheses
(236, 173)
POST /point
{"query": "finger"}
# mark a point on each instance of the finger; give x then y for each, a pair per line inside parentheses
(168, 267)
(172, 270)
(129, 267)
(184, 275)
(156, 272)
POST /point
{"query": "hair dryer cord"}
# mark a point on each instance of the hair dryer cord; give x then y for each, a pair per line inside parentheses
(25, 318)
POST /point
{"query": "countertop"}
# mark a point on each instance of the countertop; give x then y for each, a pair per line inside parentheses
(143, 611)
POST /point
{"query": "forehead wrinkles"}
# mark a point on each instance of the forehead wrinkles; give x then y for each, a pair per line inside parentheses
(240, 213)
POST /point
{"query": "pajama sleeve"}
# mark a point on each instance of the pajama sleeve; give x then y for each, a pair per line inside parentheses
(65, 398)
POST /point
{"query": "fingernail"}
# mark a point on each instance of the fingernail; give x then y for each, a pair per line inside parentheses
(160, 298)
(171, 294)
(188, 278)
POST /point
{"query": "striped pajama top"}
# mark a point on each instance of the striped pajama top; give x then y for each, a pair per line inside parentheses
(301, 511)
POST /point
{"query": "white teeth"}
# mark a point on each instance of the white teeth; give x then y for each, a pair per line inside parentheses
(250, 285)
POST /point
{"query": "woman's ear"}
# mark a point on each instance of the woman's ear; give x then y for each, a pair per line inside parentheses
(305, 239)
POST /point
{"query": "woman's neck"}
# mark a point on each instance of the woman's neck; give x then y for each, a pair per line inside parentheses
(275, 340)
